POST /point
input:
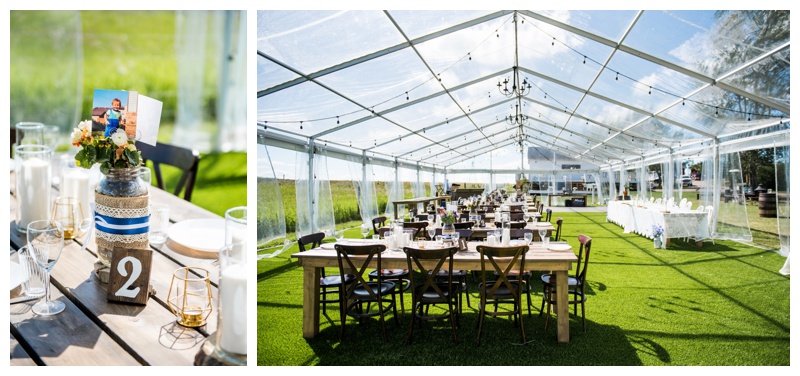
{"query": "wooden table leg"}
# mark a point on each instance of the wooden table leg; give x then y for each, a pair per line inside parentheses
(666, 243)
(311, 277)
(699, 243)
(562, 306)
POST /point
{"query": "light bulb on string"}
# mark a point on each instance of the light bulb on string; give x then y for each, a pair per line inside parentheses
(301, 124)
(617, 78)
(337, 120)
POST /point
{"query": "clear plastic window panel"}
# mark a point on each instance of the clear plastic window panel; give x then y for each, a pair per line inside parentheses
(271, 216)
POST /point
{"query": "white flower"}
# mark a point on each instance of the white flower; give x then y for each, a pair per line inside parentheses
(85, 125)
(76, 135)
(119, 137)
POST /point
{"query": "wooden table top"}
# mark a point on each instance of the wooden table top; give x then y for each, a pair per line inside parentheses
(94, 331)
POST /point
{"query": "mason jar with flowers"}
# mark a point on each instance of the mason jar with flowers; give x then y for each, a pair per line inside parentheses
(122, 201)
(658, 232)
(448, 218)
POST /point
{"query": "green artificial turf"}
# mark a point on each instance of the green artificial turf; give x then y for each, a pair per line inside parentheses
(723, 304)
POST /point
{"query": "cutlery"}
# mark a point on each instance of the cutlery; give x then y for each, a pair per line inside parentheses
(24, 298)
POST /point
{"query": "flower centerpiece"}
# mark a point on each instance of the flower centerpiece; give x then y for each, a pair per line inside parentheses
(122, 201)
(448, 218)
(658, 231)
(116, 151)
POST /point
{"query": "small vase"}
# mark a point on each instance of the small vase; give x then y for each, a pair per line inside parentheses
(657, 242)
(448, 229)
(122, 212)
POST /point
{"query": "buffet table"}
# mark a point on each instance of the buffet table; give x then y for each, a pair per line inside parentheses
(640, 219)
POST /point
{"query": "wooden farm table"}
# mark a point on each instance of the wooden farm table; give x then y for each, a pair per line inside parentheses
(418, 200)
(538, 258)
(92, 330)
(482, 232)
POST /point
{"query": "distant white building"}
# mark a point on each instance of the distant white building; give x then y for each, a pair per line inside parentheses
(555, 171)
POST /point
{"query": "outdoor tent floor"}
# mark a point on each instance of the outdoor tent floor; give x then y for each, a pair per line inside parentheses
(722, 304)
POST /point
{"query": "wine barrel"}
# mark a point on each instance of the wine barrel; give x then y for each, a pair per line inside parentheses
(767, 205)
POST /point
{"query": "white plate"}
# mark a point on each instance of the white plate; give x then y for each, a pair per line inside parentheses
(541, 224)
(200, 238)
(559, 247)
(17, 275)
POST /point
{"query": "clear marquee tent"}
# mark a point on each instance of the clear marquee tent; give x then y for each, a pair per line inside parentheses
(429, 97)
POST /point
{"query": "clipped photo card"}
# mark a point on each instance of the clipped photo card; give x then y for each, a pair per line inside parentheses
(137, 115)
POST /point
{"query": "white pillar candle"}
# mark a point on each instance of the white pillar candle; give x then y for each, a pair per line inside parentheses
(491, 240)
(239, 236)
(506, 236)
(33, 191)
(75, 183)
(233, 308)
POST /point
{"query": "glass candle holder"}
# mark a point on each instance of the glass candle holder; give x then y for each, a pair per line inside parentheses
(30, 133)
(189, 296)
(68, 211)
(228, 345)
(32, 172)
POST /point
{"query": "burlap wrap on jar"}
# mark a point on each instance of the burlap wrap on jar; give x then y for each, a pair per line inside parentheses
(120, 222)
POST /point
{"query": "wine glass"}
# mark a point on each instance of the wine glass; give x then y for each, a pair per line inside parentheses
(339, 235)
(364, 231)
(46, 240)
(456, 235)
(528, 238)
(431, 232)
(543, 235)
(430, 218)
(526, 216)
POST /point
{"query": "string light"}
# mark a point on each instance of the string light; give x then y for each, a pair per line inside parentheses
(301, 124)
(337, 120)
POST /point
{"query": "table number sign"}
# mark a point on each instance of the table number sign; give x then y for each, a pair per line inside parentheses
(129, 278)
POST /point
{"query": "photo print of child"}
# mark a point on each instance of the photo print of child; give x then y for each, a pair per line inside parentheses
(110, 111)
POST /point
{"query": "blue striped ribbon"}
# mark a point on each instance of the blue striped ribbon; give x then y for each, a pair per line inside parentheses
(122, 226)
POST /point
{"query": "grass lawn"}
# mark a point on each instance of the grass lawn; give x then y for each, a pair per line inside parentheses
(723, 304)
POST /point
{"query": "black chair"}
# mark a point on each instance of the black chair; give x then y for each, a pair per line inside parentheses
(512, 225)
(549, 215)
(187, 160)
(463, 225)
(501, 260)
(419, 227)
(422, 217)
(576, 283)
(516, 216)
(433, 289)
(359, 295)
(557, 237)
(328, 285)
(377, 223)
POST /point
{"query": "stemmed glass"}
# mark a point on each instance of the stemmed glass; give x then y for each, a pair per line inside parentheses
(431, 232)
(543, 235)
(430, 219)
(526, 216)
(46, 240)
(528, 238)
(339, 235)
(364, 231)
(455, 237)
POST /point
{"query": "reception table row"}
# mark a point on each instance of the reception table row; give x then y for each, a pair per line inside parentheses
(677, 223)
(539, 257)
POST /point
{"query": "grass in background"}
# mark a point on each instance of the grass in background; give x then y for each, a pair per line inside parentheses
(722, 304)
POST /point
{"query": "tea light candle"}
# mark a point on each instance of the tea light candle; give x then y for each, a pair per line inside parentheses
(233, 308)
(33, 191)
(75, 184)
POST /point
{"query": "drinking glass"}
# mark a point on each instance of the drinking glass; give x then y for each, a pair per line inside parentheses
(236, 225)
(339, 235)
(30, 133)
(456, 235)
(528, 238)
(159, 221)
(497, 233)
(46, 240)
(543, 235)
(526, 216)
(430, 218)
(364, 231)
(431, 232)
(34, 275)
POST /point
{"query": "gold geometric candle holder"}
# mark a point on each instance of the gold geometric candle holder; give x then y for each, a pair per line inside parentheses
(189, 296)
